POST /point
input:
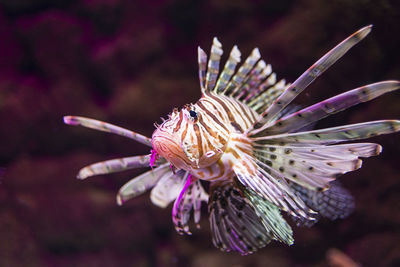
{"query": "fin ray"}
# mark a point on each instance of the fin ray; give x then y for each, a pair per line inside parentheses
(235, 226)
(271, 217)
(334, 203)
(334, 134)
(307, 78)
(107, 127)
(115, 165)
(141, 183)
(189, 199)
(297, 120)
(167, 188)
(240, 76)
(229, 70)
(202, 59)
(273, 190)
(213, 64)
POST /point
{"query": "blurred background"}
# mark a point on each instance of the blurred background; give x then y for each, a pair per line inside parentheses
(129, 63)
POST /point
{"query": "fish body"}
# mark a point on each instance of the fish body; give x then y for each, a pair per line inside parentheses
(257, 151)
(205, 143)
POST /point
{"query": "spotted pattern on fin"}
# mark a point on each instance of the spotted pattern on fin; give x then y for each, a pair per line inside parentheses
(333, 203)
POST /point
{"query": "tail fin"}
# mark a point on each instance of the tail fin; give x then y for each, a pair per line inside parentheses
(334, 203)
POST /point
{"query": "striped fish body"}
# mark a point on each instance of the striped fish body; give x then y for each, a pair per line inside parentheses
(206, 144)
(257, 151)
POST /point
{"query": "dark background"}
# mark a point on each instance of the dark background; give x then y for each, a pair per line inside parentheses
(130, 62)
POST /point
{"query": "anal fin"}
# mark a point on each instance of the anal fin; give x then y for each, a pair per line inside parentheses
(235, 226)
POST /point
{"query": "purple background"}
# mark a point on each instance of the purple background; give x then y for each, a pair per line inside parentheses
(130, 62)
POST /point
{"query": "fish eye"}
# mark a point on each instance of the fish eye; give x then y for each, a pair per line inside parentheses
(193, 114)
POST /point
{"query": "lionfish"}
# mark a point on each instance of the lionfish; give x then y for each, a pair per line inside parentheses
(257, 153)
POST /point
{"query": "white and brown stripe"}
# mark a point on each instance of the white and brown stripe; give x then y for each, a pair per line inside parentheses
(222, 120)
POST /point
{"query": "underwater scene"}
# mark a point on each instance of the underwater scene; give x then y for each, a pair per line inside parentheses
(209, 133)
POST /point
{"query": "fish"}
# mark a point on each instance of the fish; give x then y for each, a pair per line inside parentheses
(248, 153)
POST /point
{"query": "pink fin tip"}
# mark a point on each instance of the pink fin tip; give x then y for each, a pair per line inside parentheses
(153, 158)
(70, 120)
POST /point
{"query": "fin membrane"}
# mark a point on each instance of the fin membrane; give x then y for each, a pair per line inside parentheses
(235, 225)
(189, 199)
(271, 113)
(271, 218)
(334, 203)
(168, 188)
(141, 183)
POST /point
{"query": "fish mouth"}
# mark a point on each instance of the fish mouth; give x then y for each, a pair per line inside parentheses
(183, 155)
(171, 150)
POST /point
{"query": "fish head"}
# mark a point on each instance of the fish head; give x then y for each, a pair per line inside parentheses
(183, 140)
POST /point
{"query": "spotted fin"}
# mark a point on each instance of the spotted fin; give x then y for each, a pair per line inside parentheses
(299, 119)
(213, 65)
(253, 83)
(274, 189)
(270, 114)
(334, 203)
(255, 77)
(235, 226)
(270, 90)
(313, 167)
(334, 134)
(238, 79)
(229, 70)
